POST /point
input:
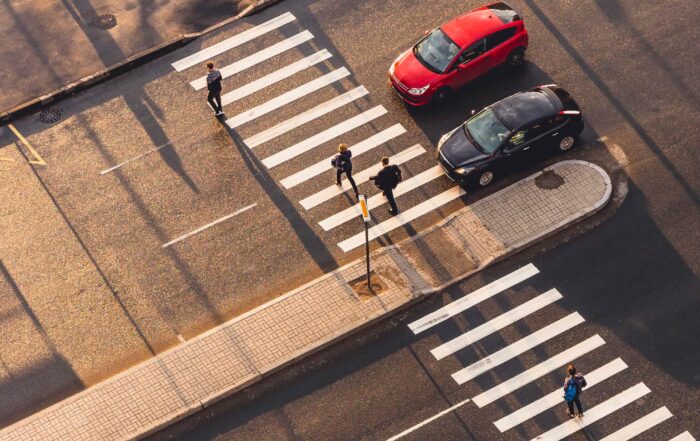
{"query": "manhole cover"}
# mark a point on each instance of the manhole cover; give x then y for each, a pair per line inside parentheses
(105, 21)
(549, 180)
(50, 115)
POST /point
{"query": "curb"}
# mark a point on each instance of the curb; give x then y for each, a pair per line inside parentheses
(132, 62)
(422, 295)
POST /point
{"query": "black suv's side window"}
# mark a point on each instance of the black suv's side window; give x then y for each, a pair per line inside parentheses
(526, 135)
(499, 37)
(472, 52)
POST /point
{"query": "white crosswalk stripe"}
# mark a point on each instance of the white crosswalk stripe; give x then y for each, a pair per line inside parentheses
(403, 218)
(500, 322)
(474, 298)
(323, 137)
(641, 425)
(362, 147)
(232, 42)
(379, 200)
(256, 58)
(305, 117)
(555, 397)
(361, 177)
(274, 77)
(592, 415)
(287, 97)
(511, 351)
(685, 436)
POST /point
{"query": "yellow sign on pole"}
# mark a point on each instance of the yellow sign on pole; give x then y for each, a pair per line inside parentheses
(364, 208)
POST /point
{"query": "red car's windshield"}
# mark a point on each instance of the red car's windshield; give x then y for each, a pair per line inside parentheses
(436, 51)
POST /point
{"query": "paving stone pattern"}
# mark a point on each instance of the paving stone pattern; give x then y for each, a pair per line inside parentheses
(234, 355)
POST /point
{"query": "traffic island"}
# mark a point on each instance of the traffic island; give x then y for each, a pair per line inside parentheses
(240, 352)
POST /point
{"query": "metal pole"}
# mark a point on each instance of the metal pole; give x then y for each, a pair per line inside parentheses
(369, 286)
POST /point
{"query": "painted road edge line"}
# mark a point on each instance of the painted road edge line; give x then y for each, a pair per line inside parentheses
(211, 224)
(427, 421)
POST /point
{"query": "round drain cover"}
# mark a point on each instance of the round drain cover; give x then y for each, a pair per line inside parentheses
(50, 115)
(105, 21)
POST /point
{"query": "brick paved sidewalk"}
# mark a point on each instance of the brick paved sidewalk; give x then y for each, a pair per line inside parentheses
(230, 357)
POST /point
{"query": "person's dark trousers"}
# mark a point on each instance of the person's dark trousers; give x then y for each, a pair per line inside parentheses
(571, 406)
(348, 173)
(214, 98)
(392, 202)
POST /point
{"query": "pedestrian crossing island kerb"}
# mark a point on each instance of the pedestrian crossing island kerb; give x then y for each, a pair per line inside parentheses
(240, 352)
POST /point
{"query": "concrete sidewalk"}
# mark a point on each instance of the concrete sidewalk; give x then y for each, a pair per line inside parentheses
(240, 352)
(60, 47)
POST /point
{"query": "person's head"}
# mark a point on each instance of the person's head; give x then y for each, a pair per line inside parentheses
(385, 160)
(210, 65)
(571, 369)
(342, 147)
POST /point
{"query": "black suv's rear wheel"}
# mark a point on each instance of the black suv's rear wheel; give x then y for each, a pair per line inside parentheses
(566, 143)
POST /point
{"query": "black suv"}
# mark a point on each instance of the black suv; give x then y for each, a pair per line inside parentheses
(507, 133)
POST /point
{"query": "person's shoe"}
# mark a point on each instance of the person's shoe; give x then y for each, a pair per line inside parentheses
(580, 415)
(392, 212)
(338, 184)
(571, 415)
(219, 113)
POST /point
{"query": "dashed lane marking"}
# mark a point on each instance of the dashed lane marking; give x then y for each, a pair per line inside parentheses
(427, 421)
(209, 225)
(232, 42)
(135, 158)
(256, 58)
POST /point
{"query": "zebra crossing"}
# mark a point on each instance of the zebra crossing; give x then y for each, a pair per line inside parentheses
(284, 39)
(612, 400)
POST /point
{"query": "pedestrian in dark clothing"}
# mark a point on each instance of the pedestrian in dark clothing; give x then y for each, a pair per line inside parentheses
(573, 385)
(343, 164)
(387, 179)
(214, 87)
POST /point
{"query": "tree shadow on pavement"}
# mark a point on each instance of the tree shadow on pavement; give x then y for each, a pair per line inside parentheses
(24, 386)
(306, 235)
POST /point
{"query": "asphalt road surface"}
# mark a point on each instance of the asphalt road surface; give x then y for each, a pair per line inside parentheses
(139, 162)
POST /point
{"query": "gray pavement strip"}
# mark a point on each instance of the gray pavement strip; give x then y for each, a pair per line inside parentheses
(240, 352)
(129, 63)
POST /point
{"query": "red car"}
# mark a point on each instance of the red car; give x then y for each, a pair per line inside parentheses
(457, 52)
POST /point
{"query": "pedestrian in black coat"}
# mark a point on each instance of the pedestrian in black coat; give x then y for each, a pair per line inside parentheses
(343, 164)
(214, 87)
(387, 179)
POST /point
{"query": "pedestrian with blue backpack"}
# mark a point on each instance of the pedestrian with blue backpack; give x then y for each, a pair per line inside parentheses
(573, 385)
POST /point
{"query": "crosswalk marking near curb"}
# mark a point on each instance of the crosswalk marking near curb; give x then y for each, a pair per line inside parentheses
(378, 199)
(274, 77)
(555, 397)
(324, 136)
(685, 436)
(592, 415)
(403, 218)
(287, 97)
(474, 298)
(232, 42)
(360, 178)
(305, 117)
(507, 318)
(641, 425)
(256, 58)
(362, 147)
(511, 351)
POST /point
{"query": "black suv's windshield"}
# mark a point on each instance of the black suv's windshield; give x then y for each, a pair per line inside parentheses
(436, 51)
(486, 130)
